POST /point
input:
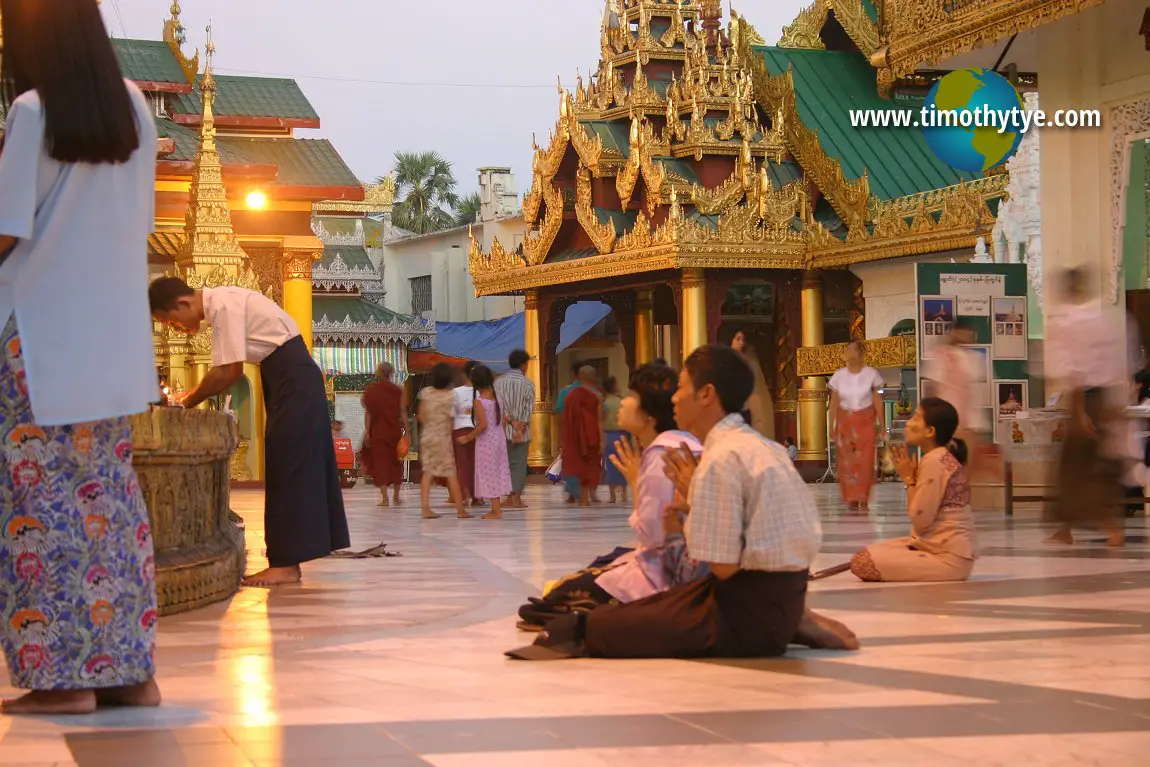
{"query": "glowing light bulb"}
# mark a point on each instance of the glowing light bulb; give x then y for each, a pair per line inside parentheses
(257, 200)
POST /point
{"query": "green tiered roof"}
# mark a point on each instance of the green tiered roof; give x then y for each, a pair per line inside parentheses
(360, 310)
(301, 162)
(352, 255)
(250, 97)
(148, 61)
(828, 85)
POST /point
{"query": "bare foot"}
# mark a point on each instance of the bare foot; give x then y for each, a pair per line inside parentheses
(1116, 539)
(570, 500)
(463, 515)
(822, 633)
(51, 703)
(395, 501)
(429, 514)
(384, 504)
(493, 515)
(1063, 536)
(145, 695)
(274, 576)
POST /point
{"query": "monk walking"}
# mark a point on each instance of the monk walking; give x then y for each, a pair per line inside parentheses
(583, 436)
(385, 424)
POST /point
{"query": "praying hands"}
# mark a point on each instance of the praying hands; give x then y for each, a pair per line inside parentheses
(628, 459)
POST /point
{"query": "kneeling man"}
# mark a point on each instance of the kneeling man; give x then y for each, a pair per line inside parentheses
(304, 517)
(751, 518)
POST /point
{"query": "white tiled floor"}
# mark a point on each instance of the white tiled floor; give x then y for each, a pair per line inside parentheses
(1040, 659)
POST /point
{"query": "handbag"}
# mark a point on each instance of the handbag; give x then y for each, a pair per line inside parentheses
(403, 448)
(555, 471)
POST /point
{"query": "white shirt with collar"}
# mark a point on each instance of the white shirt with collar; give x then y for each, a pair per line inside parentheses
(749, 506)
(246, 326)
(77, 279)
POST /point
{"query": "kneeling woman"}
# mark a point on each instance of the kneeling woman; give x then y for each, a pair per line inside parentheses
(659, 562)
(941, 546)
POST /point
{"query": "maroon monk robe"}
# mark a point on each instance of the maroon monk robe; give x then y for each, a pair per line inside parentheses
(382, 401)
(582, 437)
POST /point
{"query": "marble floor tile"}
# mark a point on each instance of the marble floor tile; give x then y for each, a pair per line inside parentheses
(1039, 659)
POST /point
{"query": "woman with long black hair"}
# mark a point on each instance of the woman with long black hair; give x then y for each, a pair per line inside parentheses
(77, 193)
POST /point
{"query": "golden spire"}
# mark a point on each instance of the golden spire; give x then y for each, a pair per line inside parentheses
(209, 240)
(175, 36)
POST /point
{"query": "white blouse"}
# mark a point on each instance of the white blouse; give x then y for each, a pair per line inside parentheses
(77, 280)
(462, 400)
(246, 326)
(856, 390)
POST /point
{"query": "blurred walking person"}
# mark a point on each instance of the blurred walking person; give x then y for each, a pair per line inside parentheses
(856, 420)
(516, 394)
(385, 426)
(956, 374)
(1085, 351)
(570, 484)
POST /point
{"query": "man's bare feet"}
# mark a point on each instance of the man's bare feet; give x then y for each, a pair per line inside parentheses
(822, 633)
(429, 514)
(1063, 536)
(274, 576)
(145, 695)
(51, 703)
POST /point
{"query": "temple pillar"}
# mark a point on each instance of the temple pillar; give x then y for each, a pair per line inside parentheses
(297, 265)
(256, 443)
(644, 327)
(694, 314)
(812, 395)
(539, 453)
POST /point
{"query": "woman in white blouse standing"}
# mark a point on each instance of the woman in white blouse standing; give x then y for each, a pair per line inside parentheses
(77, 192)
(856, 420)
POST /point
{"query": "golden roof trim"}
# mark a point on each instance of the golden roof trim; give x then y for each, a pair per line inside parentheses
(377, 198)
(859, 28)
(922, 31)
(804, 31)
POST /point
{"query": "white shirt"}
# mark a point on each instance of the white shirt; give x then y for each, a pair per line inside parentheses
(77, 279)
(246, 326)
(1085, 346)
(749, 506)
(462, 400)
(856, 390)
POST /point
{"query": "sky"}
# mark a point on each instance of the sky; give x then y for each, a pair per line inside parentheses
(472, 80)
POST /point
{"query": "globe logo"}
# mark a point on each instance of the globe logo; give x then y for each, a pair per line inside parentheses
(972, 119)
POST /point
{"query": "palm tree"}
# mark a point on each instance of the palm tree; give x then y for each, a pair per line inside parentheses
(467, 209)
(425, 192)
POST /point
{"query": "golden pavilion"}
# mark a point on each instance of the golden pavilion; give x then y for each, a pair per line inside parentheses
(701, 178)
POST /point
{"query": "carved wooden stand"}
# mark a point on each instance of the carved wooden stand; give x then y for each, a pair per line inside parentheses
(182, 461)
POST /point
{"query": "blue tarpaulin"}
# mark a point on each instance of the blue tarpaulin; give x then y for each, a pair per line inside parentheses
(491, 342)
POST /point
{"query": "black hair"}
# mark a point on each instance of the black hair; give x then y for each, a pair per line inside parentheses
(727, 334)
(166, 292)
(482, 377)
(576, 367)
(941, 416)
(964, 323)
(443, 375)
(725, 369)
(517, 359)
(656, 384)
(790, 440)
(61, 50)
(660, 361)
(611, 385)
(468, 367)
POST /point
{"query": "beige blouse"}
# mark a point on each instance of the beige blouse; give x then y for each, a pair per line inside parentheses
(940, 514)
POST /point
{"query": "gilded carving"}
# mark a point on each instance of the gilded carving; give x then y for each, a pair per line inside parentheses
(602, 234)
(936, 30)
(537, 243)
(854, 20)
(892, 352)
(804, 31)
(813, 395)
(297, 264)
(785, 381)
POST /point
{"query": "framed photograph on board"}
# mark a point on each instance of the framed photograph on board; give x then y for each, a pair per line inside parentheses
(1010, 398)
(936, 318)
(1009, 316)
